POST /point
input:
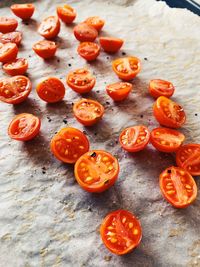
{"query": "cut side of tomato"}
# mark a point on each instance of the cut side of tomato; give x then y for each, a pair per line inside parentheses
(87, 111)
(49, 27)
(188, 158)
(119, 91)
(166, 140)
(88, 50)
(23, 11)
(11, 37)
(81, 81)
(161, 88)
(135, 138)
(66, 13)
(96, 171)
(51, 90)
(45, 49)
(126, 68)
(169, 113)
(85, 33)
(69, 144)
(8, 24)
(14, 90)
(178, 187)
(95, 22)
(24, 127)
(8, 52)
(121, 232)
(16, 67)
(111, 44)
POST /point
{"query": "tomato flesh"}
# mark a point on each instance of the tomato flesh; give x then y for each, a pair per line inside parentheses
(111, 44)
(45, 49)
(8, 24)
(96, 171)
(119, 91)
(11, 37)
(16, 67)
(8, 52)
(88, 50)
(95, 22)
(66, 13)
(85, 33)
(121, 232)
(49, 27)
(161, 88)
(23, 11)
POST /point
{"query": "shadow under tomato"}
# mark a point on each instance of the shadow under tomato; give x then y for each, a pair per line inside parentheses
(61, 108)
(30, 105)
(30, 23)
(62, 43)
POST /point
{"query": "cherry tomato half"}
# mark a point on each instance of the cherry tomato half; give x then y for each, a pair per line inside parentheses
(178, 187)
(96, 171)
(66, 13)
(166, 140)
(126, 68)
(16, 67)
(8, 52)
(45, 49)
(95, 22)
(119, 91)
(85, 33)
(14, 90)
(135, 138)
(87, 111)
(81, 81)
(88, 50)
(11, 37)
(161, 88)
(51, 90)
(69, 144)
(111, 44)
(121, 232)
(8, 24)
(24, 127)
(168, 113)
(23, 11)
(49, 27)
(188, 158)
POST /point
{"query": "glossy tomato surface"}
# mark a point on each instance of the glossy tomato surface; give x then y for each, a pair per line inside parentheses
(111, 44)
(85, 33)
(11, 37)
(8, 24)
(119, 91)
(159, 87)
(23, 11)
(16, 67)
(45, 49)
(88, 50)
(8, 52)
(49, 27)
(95, 22)
(66, 13)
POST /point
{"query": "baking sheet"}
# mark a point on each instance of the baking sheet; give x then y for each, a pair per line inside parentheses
(46, 219)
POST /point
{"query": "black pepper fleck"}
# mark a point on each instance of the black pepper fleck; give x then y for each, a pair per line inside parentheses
(43, 172)
(65, 120)
(169, 171)
(72, 103)
(69, 64)
(145, 58)
(108, 103)
(196, 114)
(141, 116)
(84, 132)
(56, 132)
(123, 53)
(29, 56)
(89, 208)
(26, 23)
(93, 155)
(107, 57)
(97, 91)
(58, 60)
(116, 142)
(44, 168)
(95, 134)
(49, 119)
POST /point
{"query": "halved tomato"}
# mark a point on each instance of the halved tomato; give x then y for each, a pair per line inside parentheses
(24, 127)
(49, 27)
(135, 138)
(121, 232)
(96, 171)
(66, 13)
(69, 144)
(85, 33)
(95, 22)
(111, 44)
(81, 81)
(87, 111)
(8, 52)
(126, 68)
(188, 158)
(16, 67)
(119, 91)
(11, 37)
(161, 88)
(45, 49)
(51, 90)
(178, 187)
(23, 11)
(88, 50)
(166, 140)
(14, 90)
(8, 24)
(168, 113)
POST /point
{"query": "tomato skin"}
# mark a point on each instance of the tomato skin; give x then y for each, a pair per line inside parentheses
(85, 33)
(12, 86)
(51, 90)
(119, 91)
(8, 52)
(111, 44)
(8, 24)
(22, 136)
(11, 37)
(163, 118)
(66, 13)
(175, 184)
(49, 27)
(16, 67)
(126, 68)
(104, 185)
(88, 50)
(162, 141)
(188, 158)
(45, 49)
(159, 87)
(115, 217)
(95, 22)
(23, 11)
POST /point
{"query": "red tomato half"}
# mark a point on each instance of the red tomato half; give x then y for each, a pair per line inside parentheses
(66, 13)
(121, 232)
(23, 11)
(45, 49)
(111, 44)
(95, 22)
(119, 91)
(161, 88)
(85, 33)
(49, 27)
(11, 37)
(16, 67)
(88, 50)
(8, 52)
(7, 24)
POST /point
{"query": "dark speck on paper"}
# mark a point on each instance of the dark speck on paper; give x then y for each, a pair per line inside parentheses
(123, 53)
(84, 132)
(108, 103)
(29, 56)
(58, 60)
(69, 64)
(97, 91)
(65, 120)
(49, 119)
(196, 114)
(141, 116)
(107, 57)
(145, 58)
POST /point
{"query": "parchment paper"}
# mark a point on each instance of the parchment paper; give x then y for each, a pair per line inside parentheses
(46, 219)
